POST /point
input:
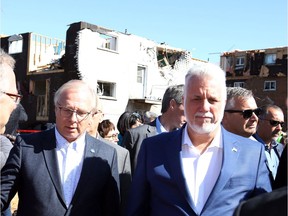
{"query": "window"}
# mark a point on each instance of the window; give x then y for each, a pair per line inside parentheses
(140, 74)
(15, 44)
(270, 58)
(108, 42)
(240, 62)
(239, 84)
(40, 89)
(270, 86)
(106, 89)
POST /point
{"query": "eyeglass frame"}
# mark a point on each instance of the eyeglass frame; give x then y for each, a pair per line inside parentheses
(274, 123)
(257, 112)
(17, 97)
(113, 136)
(74, 111)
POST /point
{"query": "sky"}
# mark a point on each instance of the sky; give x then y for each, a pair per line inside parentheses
(204, 28)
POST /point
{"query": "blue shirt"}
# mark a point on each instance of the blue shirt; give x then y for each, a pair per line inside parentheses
(272, 155)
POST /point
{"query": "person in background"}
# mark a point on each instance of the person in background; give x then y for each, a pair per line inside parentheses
(123, 125)
(18, 115)
(271, 122)
(123, 157)
(171, 119)
(135, 120)
(198, 169)
(64, 170)
(9, 98)
(241, 111)
(149, 117)
(106, 129)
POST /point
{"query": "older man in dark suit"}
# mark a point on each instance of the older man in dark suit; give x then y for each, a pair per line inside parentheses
(172, 118)
(63, 171)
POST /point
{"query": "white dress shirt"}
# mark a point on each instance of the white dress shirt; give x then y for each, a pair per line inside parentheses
(201, 170)
(70, 160)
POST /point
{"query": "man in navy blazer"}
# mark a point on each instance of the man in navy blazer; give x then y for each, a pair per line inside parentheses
(172, 118)
(201, 169)
(63, 171)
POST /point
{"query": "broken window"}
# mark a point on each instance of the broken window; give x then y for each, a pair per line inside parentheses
(270, 85)
(107, 89)
(41, 89)
(108, 41)
(15, 44)
(270, 58)
(240, 62)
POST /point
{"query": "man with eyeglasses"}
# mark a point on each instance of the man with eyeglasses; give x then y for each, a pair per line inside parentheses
(63, 171)
(241, 111)
(271, 122)
(8, 102)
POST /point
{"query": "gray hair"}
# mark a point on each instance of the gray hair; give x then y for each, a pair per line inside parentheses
(208, 70)
(237, 92)
(71, 85)
(7, 64)
(172, 92)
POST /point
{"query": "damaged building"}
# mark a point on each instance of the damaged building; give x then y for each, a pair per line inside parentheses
(263, 71)
(130, 73)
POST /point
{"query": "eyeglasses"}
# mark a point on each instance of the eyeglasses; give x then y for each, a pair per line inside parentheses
(66, 113)
(113, 136)
(274, 123)
(15, 97)
(246, 113)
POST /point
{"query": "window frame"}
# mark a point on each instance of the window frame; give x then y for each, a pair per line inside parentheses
(239, 84)
(270, 85)
(106, 89)
(270, 58)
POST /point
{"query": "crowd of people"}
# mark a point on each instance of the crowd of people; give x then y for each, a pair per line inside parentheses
(211, 151)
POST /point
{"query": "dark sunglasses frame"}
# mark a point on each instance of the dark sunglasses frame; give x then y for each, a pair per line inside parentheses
(246, 113)
(274, 123)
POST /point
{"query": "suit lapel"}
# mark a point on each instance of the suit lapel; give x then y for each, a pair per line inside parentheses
(90, 151)
(151, 131)
(50, 157)
(173, 154)
(231, 149)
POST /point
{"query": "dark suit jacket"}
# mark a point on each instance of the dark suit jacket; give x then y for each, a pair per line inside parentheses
(282, 171)
(124, 168)
(268, 204)
(32, 171)
(159, 187)
(133, 138)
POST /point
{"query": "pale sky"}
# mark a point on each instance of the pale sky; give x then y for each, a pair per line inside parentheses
(205, 28)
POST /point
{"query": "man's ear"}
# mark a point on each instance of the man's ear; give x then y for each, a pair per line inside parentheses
(172, 104)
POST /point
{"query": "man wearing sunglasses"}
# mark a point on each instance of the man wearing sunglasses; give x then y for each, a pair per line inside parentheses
(241, 111)
(271, 122)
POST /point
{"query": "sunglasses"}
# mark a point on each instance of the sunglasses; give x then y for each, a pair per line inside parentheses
(246, 113)
(275, 123)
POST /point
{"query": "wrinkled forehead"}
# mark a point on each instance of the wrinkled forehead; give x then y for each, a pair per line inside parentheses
(8, 81)
(212, 85)
(76, 98)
